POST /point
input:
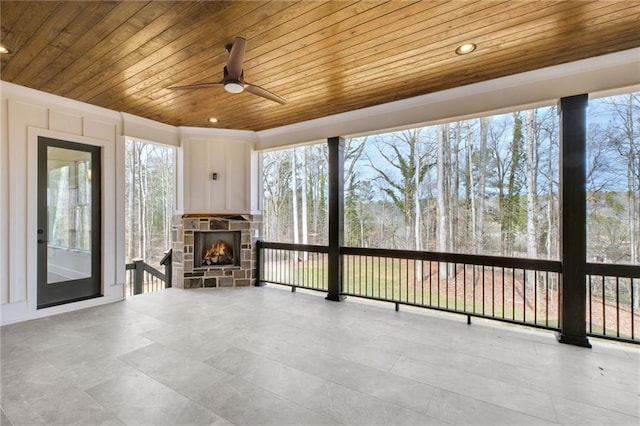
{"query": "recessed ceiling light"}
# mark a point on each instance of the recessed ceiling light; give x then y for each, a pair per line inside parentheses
(4, 49)
(213, 120)
(465, 48)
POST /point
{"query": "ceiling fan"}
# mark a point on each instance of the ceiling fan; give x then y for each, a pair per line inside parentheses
(233, 76)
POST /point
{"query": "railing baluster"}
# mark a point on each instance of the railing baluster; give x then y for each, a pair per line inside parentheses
(633, 314)
(406, 265)
(618, 306)
(604, 312)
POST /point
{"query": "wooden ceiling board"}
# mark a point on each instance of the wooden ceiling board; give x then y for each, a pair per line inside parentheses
(497, 64)
(252, 53)
(323, 57)
(467, 75)
(184, 75)
(409, 57)
(143, 55)
(309, 69)
(215, 74)
(19, 23)
(376, 71)
(206, 56)
(112, 34)
(361, 78)
(53, 58)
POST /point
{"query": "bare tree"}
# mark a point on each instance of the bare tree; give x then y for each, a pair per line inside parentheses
(531, 183)
(625, 137)
(407, 160)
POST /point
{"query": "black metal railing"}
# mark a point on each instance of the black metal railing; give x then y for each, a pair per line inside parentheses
(143, 278)
(514, 290)
(294, 265)
(522, 291)
(613, 301)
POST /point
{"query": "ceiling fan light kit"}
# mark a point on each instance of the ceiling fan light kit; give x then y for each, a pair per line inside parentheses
(233, 87)
(233, 76)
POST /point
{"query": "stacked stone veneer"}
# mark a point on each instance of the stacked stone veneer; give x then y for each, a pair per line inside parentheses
(183, 228)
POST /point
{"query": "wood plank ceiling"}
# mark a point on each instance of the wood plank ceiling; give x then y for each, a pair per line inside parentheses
(323, 57)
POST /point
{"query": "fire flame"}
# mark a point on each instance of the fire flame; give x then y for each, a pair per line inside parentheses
(218, 253)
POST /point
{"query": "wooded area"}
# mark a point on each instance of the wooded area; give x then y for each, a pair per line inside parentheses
(487, 185)
(149, 185)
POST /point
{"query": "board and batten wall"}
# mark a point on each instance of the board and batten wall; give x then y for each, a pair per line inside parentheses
(231, 156)
(26, 114)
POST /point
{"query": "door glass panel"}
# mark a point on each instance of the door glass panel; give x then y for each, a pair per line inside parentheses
(68, 214)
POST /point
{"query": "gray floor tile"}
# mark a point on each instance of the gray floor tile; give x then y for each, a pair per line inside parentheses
(577, 413)
(189, 377)
(36, 383)
(458, 409)
(20, 413)
(267, 356)
(475, 386)
(245, 404)
(138, 399)
(89, 374)
(67, 406)
(4, 420)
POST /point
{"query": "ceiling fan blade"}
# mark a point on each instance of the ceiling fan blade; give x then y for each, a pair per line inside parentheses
(257, 90)
(197, 86)
(236, 58)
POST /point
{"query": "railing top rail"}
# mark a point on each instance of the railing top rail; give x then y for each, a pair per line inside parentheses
(288, 246)
(613, 270)
(153, 271)
(469, 259)
(167, 257)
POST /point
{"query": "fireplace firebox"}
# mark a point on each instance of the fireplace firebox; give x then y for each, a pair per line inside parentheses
(216, 248)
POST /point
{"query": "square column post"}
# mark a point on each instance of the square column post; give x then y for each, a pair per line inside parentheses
(573, 220)
(336, 217)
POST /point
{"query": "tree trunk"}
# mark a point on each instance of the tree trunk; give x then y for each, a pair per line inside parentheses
(294, 197)
(452, 193)
(532, 194)
(142, 203)
(416, 203)
(131, 235)
(441, 209)
(470, 185)
(303, 207)
(482, 179)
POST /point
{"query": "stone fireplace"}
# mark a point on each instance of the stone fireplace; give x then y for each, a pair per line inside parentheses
(214, 250)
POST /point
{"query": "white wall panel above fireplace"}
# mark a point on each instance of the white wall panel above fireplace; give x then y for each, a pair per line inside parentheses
(229, 160)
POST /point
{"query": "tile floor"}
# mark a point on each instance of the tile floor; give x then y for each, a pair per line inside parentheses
(271, 357)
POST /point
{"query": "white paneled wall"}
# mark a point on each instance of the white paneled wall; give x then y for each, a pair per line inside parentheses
(26, 114)
(230, 156)
(4, 202)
